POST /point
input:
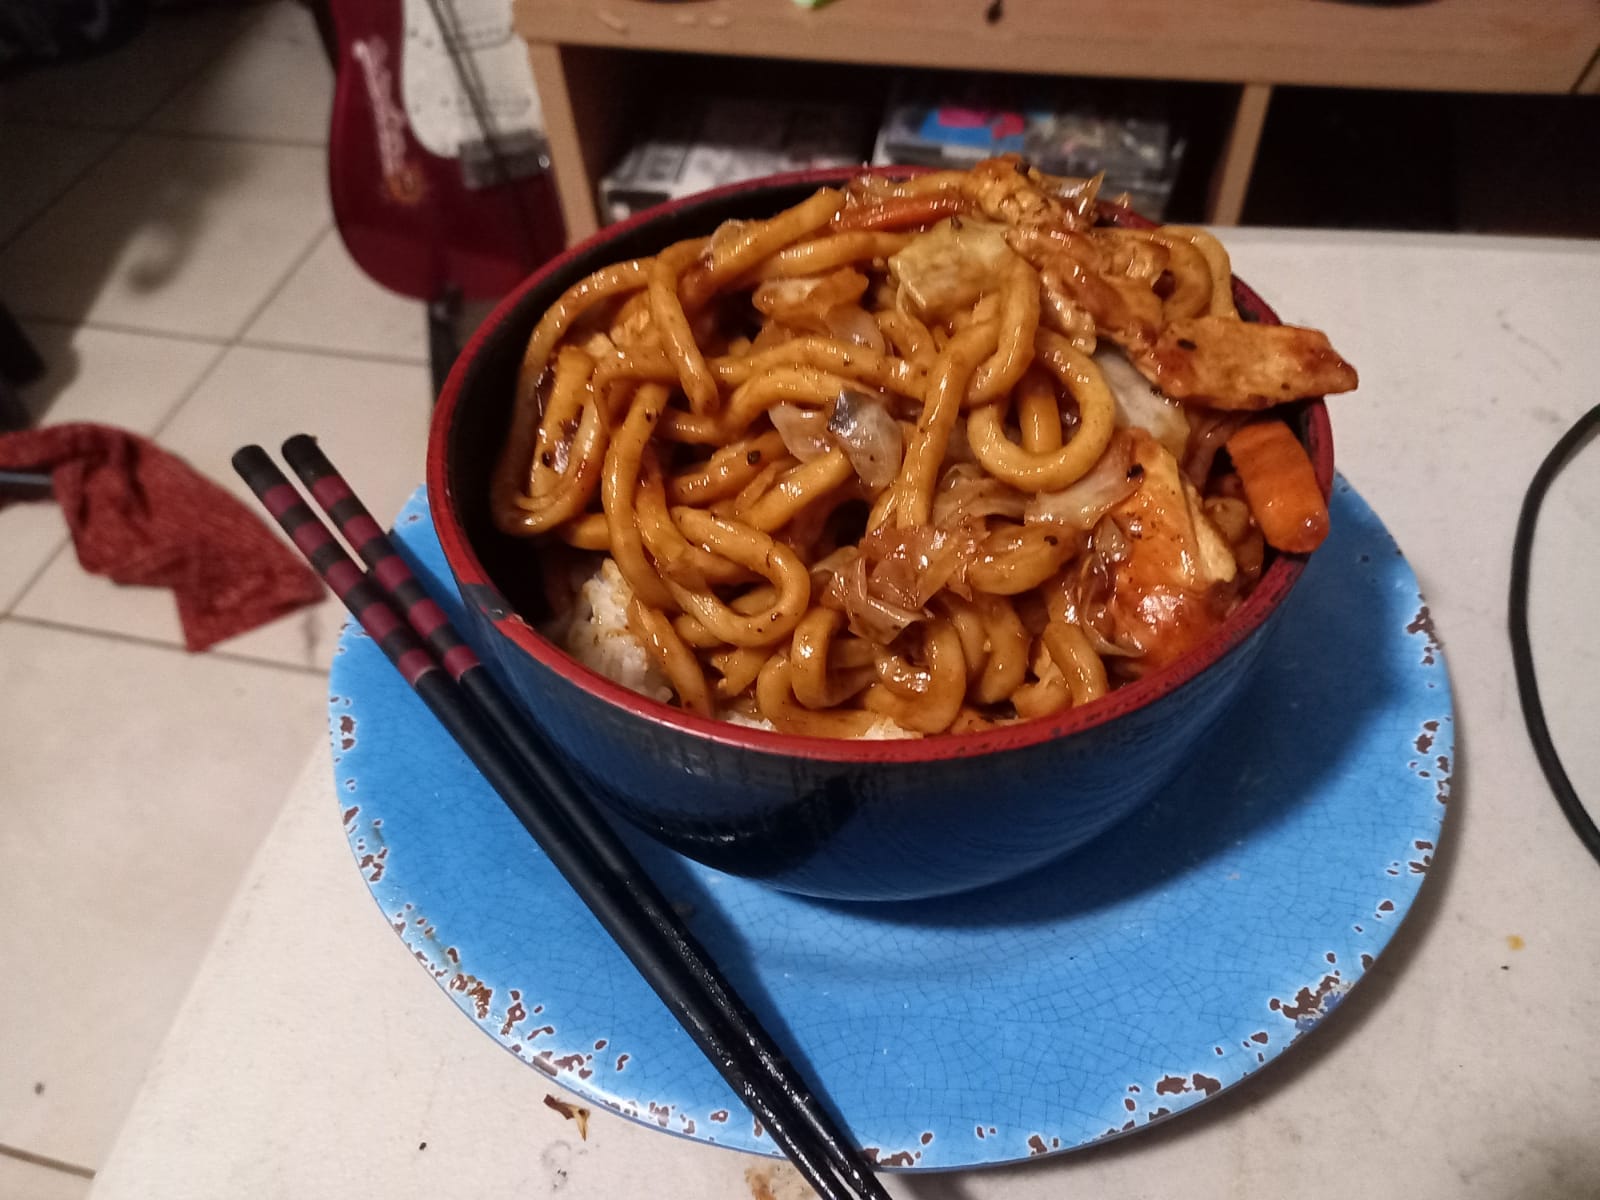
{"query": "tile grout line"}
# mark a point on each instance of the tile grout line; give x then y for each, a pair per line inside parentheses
(223, 346)
(107, 635)
(232, 343)
(145, 129)
(66, 544)
(253, 139)
(324, 352)
(221, 352)
(22, 593)
(246, 24)
(45, 1161)
(121, 136)
(276, 289)
(240, 342)
(197, 339)
(118, 140)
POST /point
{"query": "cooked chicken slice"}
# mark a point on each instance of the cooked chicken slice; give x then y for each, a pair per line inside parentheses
(1166, 589)
(1225, 363)
(1008, 189)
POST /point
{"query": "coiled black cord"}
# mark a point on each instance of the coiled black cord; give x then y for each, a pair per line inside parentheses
(1521, 650)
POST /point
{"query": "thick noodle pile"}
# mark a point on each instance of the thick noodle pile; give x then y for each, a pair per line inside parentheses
(940, 451)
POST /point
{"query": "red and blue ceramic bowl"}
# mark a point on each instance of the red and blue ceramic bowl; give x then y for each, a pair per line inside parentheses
(852, 820)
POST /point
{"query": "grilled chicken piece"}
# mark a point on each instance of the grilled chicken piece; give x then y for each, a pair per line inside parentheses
(1171, 587)
(1231, 364)
(1124, 310)
(1008, 189)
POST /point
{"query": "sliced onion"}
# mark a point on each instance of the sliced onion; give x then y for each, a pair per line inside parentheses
(1216, 561)
(911, 566)
(864, 430)
(870, 616)
(853, 323)
(882, 621)
(1079, 195)
(804, 430)
(1140, 406)
(967, 492)
(1211, 432)
(782, 295)
(959, 449)
(723, 238)
(1110, 543)
(1104, 647)
(561, 455)
(1083, 503)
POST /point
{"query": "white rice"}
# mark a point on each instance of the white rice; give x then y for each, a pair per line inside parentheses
(596, 633)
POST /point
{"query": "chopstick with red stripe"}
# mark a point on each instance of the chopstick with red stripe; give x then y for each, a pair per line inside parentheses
(333, 495)
(521, 767)
(336, 498)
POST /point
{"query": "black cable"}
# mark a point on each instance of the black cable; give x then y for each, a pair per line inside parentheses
(1521, 650)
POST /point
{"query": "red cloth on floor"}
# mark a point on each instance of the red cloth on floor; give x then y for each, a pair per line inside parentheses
(140, 515)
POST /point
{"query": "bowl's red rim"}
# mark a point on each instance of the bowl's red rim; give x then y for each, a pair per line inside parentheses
(1271, 591)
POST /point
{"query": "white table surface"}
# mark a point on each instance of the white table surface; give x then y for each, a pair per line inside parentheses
(313, 1058)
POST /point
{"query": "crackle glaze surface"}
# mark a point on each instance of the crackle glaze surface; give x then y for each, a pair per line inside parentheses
(1174, 956)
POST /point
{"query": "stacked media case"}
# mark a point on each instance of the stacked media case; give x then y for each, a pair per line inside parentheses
(1064, 128)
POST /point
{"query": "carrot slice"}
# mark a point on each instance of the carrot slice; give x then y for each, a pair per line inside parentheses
(902, 212)
(1280, 486)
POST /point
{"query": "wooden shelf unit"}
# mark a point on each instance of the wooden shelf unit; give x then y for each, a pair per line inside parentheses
(586, 55)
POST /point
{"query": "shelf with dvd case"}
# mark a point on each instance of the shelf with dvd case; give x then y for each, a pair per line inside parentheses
(1062, 127)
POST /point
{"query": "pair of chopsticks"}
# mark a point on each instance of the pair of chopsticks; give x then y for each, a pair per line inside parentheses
(522, 767)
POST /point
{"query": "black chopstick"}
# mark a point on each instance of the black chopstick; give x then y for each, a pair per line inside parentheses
(336, 498)
(522, 768)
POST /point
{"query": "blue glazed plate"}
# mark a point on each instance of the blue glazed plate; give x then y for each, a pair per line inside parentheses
(1170, 959)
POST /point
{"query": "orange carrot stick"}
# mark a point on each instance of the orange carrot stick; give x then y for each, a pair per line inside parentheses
(1280, 485)
(902, 212)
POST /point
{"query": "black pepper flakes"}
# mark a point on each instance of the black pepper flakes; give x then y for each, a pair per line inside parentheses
(1136, 471)
(1186, 344)
(753, 457)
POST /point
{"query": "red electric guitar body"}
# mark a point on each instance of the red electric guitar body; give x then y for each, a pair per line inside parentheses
(407, 216)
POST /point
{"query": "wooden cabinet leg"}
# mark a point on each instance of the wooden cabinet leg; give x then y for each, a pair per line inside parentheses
(581, 92)
(1589, 82)
(1231, 180)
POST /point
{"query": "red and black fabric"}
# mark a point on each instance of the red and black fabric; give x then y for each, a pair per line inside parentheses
(139, 515)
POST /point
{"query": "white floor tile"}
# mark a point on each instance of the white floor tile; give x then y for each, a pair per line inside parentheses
(27, 1181)
(178, 234)
(125, 379)
(329, 304)
(37, 163)
(272, 81)
(150, 778)
(119, 89)
(371, 416)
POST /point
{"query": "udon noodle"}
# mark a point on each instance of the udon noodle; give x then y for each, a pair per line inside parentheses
(941, 451)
